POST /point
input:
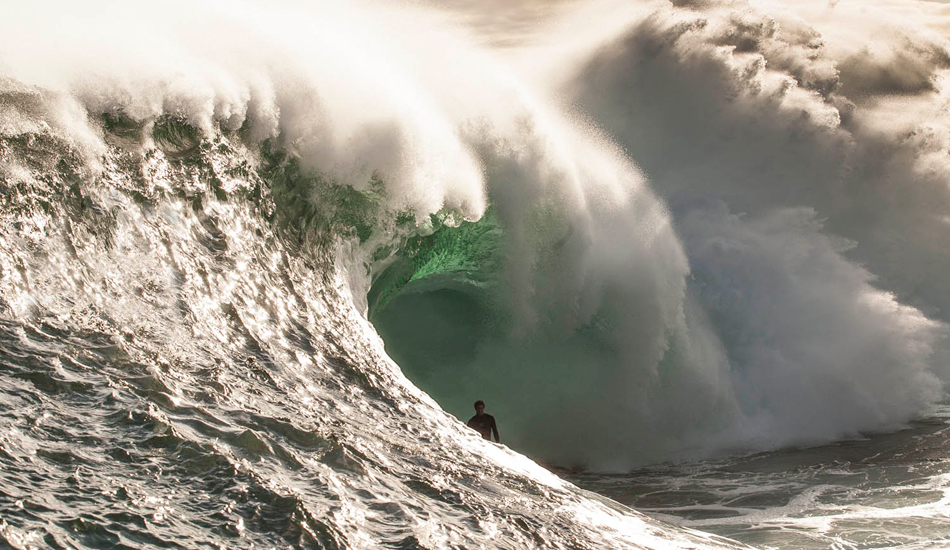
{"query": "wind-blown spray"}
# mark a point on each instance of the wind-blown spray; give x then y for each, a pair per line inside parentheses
(687, 212)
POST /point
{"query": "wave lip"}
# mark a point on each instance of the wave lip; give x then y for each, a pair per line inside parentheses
(704, 252)
(182, 361)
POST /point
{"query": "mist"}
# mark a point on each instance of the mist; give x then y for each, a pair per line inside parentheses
(723, 223)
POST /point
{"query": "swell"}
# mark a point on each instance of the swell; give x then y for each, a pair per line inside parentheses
(183, 362)
(706, 305)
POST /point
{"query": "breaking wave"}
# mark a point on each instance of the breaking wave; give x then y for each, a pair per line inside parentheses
(639, 233)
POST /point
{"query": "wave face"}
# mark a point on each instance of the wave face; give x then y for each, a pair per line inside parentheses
(800, 295)
(183, 364)
(641, 232)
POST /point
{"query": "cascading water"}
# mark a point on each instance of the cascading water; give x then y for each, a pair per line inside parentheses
(642, 232)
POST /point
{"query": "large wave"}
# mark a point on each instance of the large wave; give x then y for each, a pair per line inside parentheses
(639, 232)
(805, 173)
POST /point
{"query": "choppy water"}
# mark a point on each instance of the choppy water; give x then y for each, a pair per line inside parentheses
(888, 490)
(642, 231)
(179, 370)
(99, 450)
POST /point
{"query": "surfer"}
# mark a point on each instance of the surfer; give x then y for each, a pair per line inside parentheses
(484, 423)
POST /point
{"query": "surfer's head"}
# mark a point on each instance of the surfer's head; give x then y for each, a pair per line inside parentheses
(479, 406)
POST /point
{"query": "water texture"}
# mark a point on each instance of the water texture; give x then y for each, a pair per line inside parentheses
(886, 490)
(256, 260)
(181, 371)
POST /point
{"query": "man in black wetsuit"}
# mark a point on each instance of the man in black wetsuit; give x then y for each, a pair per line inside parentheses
(484, 423)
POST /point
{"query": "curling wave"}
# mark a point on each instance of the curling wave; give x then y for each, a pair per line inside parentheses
(673, 231)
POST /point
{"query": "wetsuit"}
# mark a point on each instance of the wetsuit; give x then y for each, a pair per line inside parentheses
(485, 425)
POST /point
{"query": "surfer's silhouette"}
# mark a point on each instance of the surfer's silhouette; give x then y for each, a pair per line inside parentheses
(484, 423)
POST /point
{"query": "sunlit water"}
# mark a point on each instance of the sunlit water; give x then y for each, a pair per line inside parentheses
(642, 231)
(178, 369)
(888, 490)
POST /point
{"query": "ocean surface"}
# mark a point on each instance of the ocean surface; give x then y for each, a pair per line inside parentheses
(179, 370)
(885, 490)
(258, 259)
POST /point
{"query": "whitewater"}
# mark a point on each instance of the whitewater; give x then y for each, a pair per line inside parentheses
(258, 259)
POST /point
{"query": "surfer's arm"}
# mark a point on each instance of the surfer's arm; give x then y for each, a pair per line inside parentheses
(494, 429)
